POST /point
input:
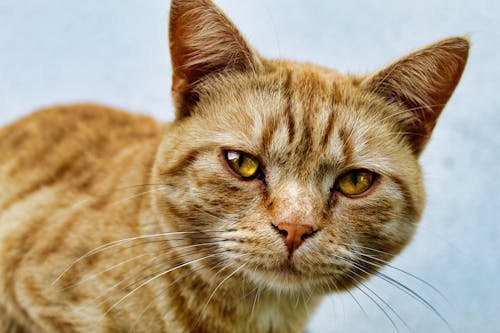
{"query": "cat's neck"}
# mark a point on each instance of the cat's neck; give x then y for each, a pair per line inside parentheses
(224, 303)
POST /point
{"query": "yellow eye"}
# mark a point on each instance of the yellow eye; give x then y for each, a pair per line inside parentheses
(243, 164)
(355, 182)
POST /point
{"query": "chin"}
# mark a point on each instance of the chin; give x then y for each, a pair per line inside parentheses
(291, 279)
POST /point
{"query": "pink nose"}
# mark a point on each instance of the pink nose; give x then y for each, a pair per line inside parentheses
(294, 234)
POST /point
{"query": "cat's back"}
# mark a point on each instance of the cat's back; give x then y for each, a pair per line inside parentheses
(66, 144)
(61, 170)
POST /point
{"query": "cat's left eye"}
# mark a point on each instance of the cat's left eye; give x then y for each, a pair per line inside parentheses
(355, 182)
(243, 164)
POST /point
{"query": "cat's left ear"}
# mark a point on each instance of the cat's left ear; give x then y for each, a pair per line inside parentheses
(203, 42)
(421, 83)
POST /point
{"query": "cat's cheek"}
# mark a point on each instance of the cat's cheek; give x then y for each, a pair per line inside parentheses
(383, 219)
(398, 234)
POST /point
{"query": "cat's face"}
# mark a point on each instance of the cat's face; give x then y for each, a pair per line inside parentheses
(304, 139)
(295, 176)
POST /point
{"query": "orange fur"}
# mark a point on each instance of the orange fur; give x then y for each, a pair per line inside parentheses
(190, 246)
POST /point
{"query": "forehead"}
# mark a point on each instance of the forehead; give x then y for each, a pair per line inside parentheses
(302, 118)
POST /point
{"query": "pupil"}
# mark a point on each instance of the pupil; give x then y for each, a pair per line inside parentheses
(356, 179)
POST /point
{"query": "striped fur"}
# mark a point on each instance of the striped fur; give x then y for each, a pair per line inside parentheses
(112, 222)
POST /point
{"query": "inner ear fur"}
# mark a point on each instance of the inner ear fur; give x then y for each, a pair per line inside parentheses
(422, 83)
(203, 42)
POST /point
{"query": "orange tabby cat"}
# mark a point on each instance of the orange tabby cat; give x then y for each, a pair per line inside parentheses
(277, 183)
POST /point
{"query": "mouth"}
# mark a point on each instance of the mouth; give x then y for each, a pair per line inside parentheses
(293, 274)
(284, 273)
(287, 268)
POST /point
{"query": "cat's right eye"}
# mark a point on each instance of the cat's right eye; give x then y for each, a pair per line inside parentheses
(243, 164)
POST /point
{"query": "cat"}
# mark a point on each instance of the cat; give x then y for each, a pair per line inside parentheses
(277, 183)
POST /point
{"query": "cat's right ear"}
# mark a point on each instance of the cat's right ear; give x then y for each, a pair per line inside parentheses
(203, 41)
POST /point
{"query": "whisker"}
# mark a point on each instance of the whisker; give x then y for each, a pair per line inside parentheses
(357, 302)
(113, 244)
(376, 303)
(93, 276)
(224, 265)
(304, 302)
(385, 303)
(370, 249)
(359, 281)
(142, 269)
(220, 284)
(414, 295)
(103, 299)
(136, 322)
(384, 263)
(163, 273)
(143, 312)
(255, 300)
(407, 290)
(170, 246)
(245, 296)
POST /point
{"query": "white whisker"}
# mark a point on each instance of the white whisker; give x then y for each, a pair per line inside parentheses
(158, 276)
(220, 284)
(93, 276)
(113, 244)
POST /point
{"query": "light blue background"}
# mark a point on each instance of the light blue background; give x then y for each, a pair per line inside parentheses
(115, 52)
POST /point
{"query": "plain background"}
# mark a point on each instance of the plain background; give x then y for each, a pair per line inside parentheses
(115, 52)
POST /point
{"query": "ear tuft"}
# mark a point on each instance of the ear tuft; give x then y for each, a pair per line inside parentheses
(203, 41)
(422, 83)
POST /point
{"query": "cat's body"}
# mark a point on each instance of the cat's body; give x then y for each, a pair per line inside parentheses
(78, 182)
(111, 222)
(61, 177)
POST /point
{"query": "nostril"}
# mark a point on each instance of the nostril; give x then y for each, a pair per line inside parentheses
(282, 232)
(309, 233)
(305, 236)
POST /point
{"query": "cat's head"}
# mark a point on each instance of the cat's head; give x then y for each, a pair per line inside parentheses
(297, 176)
